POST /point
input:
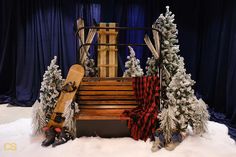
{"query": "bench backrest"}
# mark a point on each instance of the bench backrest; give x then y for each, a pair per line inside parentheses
(105, 98)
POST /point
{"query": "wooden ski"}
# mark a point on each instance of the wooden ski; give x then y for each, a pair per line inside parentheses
(150, 46)
(84, 50)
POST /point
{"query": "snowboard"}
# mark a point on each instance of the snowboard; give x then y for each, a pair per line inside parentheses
(69, 89)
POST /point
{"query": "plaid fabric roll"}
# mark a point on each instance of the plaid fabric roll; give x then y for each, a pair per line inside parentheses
(143, 119)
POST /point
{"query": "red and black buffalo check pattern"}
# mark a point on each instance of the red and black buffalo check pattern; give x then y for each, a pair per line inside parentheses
(143, 119)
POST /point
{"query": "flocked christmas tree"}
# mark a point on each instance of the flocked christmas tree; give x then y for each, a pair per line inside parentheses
(180, 107)
(38, 118)
(49, 92)
(50, 87)
(132, 65)
(152, 67)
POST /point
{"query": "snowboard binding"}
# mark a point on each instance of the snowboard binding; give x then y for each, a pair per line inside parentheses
(59, 118)
(69, 87)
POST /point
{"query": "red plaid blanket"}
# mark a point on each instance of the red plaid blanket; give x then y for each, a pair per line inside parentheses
(143, 119)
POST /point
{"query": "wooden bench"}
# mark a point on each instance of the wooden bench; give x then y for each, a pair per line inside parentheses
(105, 98)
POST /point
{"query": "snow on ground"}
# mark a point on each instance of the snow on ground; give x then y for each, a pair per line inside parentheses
(215, 143)
(9, 113)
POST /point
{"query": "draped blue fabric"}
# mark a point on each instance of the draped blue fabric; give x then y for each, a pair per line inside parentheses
(32, 32)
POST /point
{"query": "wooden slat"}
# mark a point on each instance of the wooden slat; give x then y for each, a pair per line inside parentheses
(113, 97)
(107, 83)
(105, 93)
(107, 65)
(109, 88)
(102, 112)
(110, 102)
(102, 54)
(106, 106)
(104, 117)
(107, 32)
(118, 79)
(98, 114)
(112, 54)
(108, 49)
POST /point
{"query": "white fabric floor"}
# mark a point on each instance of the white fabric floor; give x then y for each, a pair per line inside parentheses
(15, 135)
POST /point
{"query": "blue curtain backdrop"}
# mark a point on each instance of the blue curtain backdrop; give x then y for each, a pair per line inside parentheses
(32, 32)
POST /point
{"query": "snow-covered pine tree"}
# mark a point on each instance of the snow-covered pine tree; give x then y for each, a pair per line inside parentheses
(71, 108)
(132, 65)
(49, 91)
(177, 92)
(199, 117)
(89, 66)
(168, 117)
(38, 118)
(50, 88)
(169, 46)
(169, 66)
(180, 96)
(152, 67)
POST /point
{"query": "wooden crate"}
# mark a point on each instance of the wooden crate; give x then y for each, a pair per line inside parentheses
(105, 98)
(107, 55)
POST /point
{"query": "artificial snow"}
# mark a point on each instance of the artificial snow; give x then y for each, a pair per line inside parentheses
(214, 143)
